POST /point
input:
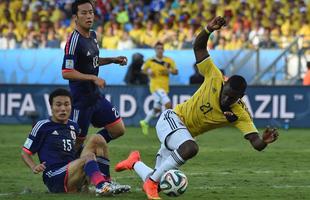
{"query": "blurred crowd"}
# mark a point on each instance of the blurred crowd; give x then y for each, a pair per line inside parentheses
(127, 24)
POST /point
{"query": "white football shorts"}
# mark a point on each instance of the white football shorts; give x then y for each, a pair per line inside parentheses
(171, 132)
(160, 98)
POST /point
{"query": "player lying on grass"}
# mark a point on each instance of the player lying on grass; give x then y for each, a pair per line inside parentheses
(217, 103)
(53, 140)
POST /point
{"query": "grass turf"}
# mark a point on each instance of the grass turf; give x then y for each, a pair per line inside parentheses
(226, 168)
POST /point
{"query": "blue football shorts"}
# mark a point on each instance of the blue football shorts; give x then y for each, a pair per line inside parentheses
(56, 179)
(101, 115)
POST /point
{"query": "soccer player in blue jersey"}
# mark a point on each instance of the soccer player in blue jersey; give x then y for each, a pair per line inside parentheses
(81, 67)
(53, 140)
(217, 103)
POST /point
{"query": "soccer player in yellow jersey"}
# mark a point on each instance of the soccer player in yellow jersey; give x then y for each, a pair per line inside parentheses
(158, 69)
(215, 104)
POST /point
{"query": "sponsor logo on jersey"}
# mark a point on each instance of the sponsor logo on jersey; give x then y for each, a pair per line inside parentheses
(55, 133)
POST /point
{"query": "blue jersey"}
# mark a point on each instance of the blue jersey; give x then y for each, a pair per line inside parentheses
(82, 54)
(53, 142)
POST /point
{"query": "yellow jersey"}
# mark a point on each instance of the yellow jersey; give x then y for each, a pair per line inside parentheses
(160, 71)
(202, 111)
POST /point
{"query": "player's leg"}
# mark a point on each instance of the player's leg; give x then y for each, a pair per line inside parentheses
(82, 117)
(172, 134)
(152, 113)
(96, 144)
(133, 162)
(87, 166)
(107, 116)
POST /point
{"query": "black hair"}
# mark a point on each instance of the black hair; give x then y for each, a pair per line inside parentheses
(158, 44)
(308, 64)
(237, 83)
(59, 92)
(76, 3)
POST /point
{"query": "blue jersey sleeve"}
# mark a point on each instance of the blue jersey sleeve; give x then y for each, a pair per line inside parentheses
(70, 57)
(35, 138)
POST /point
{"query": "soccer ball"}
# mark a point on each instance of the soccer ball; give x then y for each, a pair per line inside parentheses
(173, 183)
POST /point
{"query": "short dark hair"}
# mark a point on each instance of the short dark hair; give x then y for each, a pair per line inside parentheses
(76, 3)
(237, 83)
(158, 44)
(308, 64)
(59, 92)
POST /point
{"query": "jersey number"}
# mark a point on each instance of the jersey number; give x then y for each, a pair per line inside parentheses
(115, 112)
(95, 61)
(67, 145)
(206, 108)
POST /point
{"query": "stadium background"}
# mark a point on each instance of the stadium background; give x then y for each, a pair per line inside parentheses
(267, 41)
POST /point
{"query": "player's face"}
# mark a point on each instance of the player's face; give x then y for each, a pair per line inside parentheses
(159, 49)
(85, 16)
(61, 109)
(229, 96)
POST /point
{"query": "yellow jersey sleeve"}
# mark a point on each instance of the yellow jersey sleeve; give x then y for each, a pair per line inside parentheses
(244, 123)
(208, 69)
(172, 63)
(146, 66)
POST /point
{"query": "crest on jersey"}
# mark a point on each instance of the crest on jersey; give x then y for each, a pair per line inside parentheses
(214, 90)
(69, 64)
(73, 135)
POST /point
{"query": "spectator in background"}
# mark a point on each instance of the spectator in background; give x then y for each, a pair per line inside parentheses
(125, 42)
(306, 80)
(110, 39)
(52, 39)
(267, 42)
(196, 78)
(134, 75)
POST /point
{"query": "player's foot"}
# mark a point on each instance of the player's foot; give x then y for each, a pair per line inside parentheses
(107, 189)
(129, 162)
(151, 189)
(145, 127)
(120, 188)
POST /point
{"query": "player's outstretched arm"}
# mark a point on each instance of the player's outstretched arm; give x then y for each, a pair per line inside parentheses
(121, 60)
(200, 43)
(269, 136)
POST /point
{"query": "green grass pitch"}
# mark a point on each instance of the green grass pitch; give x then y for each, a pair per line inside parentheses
(226, 168)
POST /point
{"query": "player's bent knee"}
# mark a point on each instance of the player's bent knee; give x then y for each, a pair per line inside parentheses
(88, 157)
(188, 149)
(118, 132)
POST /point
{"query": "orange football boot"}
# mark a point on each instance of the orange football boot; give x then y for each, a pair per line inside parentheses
(151, 189)
(129, 162)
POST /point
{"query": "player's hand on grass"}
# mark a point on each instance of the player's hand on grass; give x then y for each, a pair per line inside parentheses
(270, 135)
(216, 23)
(39, 168)
(122, 60)
(99, 82)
